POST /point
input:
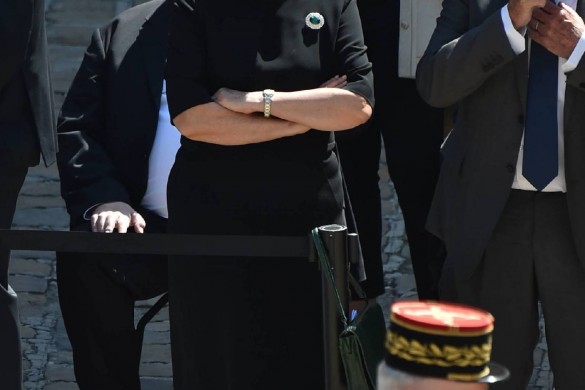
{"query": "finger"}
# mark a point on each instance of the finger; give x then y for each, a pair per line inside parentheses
(110, 223)
(534, 26)
(138, 222)
(338, 83)
(122, 224)
(94, 221)
(100, 222)
(330, 82)
(550, 7)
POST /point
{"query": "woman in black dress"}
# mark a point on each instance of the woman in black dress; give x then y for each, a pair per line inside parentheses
(243, 84)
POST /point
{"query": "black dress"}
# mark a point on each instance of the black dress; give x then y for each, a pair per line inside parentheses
(242, 323)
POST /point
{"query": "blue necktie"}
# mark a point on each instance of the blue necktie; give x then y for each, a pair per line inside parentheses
(540, 163)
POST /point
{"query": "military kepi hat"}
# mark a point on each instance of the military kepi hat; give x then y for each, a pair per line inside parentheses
(442, 340)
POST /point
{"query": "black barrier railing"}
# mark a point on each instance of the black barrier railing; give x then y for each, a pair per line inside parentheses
(335, 239)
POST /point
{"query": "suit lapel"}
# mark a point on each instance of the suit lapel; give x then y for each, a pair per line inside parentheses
(153, 42)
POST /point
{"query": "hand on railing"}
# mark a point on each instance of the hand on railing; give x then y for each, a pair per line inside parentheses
(119, 216)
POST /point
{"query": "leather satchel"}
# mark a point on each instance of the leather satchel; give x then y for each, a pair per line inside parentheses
(361, 342)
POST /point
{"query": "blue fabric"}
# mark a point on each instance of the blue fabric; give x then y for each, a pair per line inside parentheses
(540, 164)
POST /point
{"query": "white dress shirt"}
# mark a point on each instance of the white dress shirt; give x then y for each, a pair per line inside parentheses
(162, 158)
(518, 43)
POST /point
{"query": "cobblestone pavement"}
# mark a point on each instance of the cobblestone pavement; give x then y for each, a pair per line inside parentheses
(47, 353)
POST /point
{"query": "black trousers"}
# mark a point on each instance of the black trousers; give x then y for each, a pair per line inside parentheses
(531, 257)
(412, 150)
(12, 179)
(97, 293)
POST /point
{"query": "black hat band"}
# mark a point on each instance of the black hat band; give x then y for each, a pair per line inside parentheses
(461, 357)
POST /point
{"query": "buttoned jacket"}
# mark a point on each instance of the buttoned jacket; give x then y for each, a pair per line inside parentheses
(469, 63)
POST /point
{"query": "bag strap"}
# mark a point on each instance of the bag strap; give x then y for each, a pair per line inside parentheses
(326, 268)
(355, 285)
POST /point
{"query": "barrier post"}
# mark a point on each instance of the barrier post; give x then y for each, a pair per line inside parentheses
(335, 240)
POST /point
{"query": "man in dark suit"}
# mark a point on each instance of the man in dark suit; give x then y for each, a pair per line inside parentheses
(116, 149)
(27, 130)
(412, 158)
(509, 201)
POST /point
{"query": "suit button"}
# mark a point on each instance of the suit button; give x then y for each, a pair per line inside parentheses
(521, 119)
(582, 85)
(511, 168)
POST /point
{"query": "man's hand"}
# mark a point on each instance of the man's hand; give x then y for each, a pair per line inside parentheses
(557, 28)
(116, 215)
(521, 11)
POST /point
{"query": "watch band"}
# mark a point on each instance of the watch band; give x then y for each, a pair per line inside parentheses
(267, 94)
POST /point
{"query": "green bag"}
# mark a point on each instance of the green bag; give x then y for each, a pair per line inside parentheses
(361, 342)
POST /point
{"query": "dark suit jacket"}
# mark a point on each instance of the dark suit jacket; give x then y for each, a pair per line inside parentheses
(469, 61)
(109, 118)
(27, 119)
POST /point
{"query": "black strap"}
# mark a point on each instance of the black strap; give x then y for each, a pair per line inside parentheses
(326, 268)
(156, 243)
(149, 315)
(357, 256)
(355, 285)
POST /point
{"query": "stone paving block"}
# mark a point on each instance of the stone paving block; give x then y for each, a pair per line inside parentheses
(158, 326)
(61, 386)
(156, 370)
(54, 218)
(43, 256)
(394, 264)
(93, 12)
(71, 34)
(59, 374)
(156, 384)
(41, 171)
(27, 283)
(61, 357)
(157, 337)
(394, 246)
(43, 202)
(41, 187)
(154, 353)
(406, 283)
(27, 332)
(26, 299)
(30, 267)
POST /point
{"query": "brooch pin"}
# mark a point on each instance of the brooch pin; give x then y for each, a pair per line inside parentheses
(314, 20)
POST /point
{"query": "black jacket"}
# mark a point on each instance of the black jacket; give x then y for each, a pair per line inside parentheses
(109, 118)
(27, 119)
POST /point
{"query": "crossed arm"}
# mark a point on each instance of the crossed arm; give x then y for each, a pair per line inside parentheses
(235, 117)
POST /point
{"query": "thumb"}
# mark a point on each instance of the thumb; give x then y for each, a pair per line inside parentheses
(138, 222)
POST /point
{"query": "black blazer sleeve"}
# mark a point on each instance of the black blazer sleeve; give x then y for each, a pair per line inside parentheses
(88, 176)
(16, 18)
(351, 54)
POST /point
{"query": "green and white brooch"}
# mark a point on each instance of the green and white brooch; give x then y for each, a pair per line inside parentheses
(314, 20)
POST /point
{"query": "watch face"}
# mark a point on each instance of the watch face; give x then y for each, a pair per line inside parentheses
(268, 93)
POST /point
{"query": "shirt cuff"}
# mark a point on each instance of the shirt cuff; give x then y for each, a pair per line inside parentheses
(516, 37)
(575, 57)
